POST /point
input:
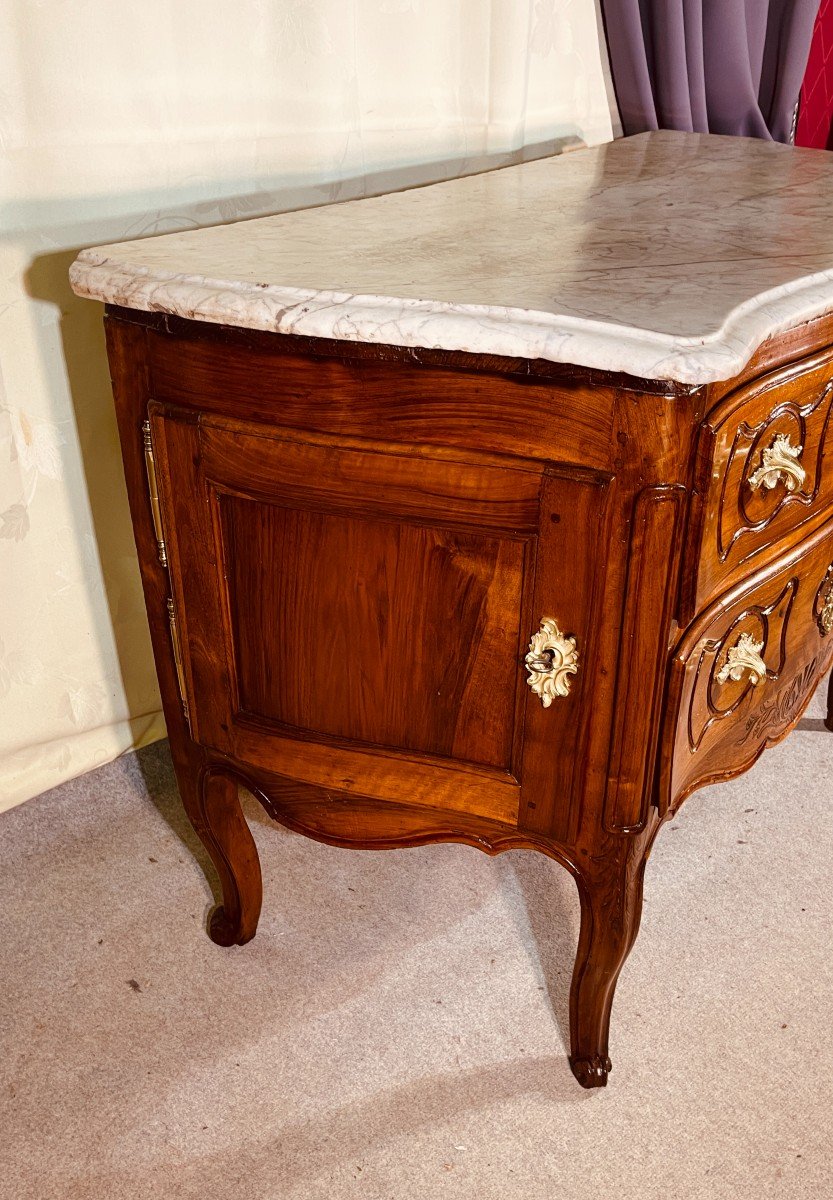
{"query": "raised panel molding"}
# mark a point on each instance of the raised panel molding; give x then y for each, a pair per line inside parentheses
(654, 546)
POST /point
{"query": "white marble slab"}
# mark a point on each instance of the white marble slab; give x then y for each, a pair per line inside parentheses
(667, 255)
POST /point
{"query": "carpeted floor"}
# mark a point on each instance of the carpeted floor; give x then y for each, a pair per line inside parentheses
(398, 1027)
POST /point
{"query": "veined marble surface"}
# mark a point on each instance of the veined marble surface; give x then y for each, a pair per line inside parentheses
(666, 255)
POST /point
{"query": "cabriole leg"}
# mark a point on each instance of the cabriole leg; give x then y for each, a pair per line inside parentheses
(212, 803)
(611, 904)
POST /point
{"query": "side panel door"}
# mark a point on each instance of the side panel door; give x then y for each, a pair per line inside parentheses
(355, 614)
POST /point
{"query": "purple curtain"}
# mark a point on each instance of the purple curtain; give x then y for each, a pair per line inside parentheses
(709, 66)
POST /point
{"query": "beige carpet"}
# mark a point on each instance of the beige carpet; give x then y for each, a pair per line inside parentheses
(397, 1028)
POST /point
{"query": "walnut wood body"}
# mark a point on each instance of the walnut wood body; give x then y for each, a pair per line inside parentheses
(360, 542)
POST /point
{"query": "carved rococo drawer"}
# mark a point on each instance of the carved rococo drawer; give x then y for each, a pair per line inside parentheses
(765, 474)
(746, 667)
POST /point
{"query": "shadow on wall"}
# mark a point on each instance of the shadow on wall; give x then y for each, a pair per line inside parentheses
(85, 360)
(82, 337)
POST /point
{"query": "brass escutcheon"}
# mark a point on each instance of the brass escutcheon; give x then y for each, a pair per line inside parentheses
(551, 660)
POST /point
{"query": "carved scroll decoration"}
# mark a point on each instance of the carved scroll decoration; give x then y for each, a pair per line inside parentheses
(745, 655)
(779, 464)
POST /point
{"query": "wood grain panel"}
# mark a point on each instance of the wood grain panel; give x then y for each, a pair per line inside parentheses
(370, 478)
(379, 774)
(375, 631)
(566, 420)
(573, 540)
(352, 630)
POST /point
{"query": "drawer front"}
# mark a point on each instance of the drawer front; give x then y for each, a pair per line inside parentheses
(744, 671)
(765, 474)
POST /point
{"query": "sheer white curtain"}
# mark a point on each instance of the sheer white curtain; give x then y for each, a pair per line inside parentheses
(119, 119)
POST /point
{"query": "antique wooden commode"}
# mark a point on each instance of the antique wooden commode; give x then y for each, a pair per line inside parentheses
(498, 511)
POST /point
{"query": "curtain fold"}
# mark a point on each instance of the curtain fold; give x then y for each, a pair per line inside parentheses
(815, 115)
(709, 66)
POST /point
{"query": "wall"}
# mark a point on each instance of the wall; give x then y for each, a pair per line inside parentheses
(119, 120)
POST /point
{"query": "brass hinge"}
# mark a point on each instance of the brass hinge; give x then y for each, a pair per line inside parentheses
(177, 648)
(150, 467)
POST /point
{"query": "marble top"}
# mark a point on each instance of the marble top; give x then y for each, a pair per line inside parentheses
(666, 255)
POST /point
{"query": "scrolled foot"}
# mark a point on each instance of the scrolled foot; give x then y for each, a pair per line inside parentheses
(591, 1072)
(213, 805)
(221, 930)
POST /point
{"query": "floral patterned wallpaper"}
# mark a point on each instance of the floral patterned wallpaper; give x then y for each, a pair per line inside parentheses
(120, 119)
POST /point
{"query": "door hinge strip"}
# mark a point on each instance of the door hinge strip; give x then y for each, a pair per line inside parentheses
(150, 467)
(180, 670)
